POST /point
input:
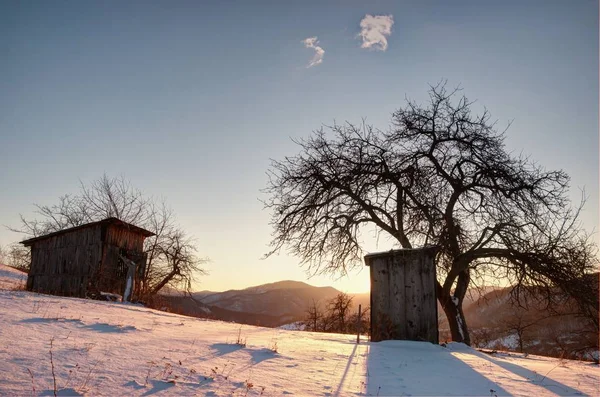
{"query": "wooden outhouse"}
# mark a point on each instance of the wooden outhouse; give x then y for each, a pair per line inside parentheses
(84, 261)
(403, 299)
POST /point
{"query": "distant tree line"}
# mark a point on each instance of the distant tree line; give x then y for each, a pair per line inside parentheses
(336, 316)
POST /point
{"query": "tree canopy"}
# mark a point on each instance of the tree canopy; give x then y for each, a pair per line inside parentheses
(440, 175)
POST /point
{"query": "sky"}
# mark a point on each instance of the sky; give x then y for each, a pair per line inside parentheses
(190, 100)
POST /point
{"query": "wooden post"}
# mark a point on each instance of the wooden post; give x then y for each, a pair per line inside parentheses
(358, 323)
(127, 294)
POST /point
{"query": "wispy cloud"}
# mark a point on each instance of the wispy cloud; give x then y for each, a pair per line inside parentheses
(312, 42)
(374, 29)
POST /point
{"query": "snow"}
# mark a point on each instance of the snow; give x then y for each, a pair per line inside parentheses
(11, 278)
(128, 286)
(296, 326)
(111, 348)
(510, 341)
(109, 296)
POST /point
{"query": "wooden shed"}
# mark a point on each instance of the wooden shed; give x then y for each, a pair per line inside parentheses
(83, 261)
(403, 299)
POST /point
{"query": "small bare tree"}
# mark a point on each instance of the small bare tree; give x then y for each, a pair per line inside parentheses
(518, 324)
(439, 176)
(314, 317)
(338, 310)
(178, 252)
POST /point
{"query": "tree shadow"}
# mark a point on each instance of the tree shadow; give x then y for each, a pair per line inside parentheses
(402, 368)
(260, 355)
(535, 378)
(110, 328)
(69, 391)
(34, 320)
(158, 386)
(346, 370)
(225, 348)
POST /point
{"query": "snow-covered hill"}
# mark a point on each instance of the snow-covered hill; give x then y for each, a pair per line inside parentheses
(105, 348)
(11, 278)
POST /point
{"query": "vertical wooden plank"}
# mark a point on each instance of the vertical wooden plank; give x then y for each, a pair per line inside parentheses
(374, 310)
(411, 272)
(398, 297)
(429, 279)
(379, 290)
(383, 269)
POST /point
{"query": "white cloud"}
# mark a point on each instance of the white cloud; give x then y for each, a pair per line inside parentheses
(312, 42)
(374, 29)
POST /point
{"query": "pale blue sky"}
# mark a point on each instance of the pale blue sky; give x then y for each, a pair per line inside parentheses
(189, 100)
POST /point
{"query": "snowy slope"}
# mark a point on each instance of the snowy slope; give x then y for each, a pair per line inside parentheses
(109, 349)
(11, 278)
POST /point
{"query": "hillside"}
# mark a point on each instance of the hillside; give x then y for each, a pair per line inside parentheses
(280, 299)
(11, 278)
(269, 305)
(496, 322)
(81, 347)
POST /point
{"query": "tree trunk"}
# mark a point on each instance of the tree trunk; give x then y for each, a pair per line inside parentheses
(452, 306)
(164, 281)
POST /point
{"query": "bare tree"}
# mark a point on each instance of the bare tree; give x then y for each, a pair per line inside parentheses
(439, 176)
(336, 317)
(314, 317)
(178, 253)
(338, 310)
(15, 255)
(517, 324)
(172, 258)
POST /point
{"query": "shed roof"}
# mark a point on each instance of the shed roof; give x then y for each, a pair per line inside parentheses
(107, 221)
(399, 252)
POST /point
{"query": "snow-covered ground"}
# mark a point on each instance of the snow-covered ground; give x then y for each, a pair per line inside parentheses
(115, 349)
(12, 278)
(296, 326)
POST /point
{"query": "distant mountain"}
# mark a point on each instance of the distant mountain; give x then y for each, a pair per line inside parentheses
(283, 298)
(270, 305)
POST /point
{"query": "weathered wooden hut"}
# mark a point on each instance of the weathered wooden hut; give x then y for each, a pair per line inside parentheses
(403, 299)
(83, 261)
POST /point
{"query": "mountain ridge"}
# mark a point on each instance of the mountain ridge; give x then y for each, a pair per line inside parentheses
(271, 304)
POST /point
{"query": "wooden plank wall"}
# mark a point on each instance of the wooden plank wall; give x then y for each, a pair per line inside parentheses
(124, 238)
(114, 273)
(68, 263)
(403, 301)
(64, 264)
